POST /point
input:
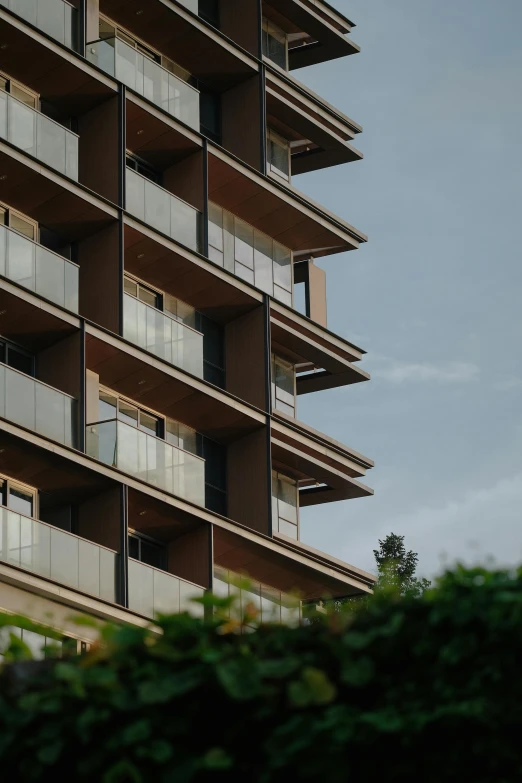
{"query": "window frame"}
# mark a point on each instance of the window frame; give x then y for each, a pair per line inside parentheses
(7, 484)
(277, 139)
(8, 211)
(9, 345)
(10, 82)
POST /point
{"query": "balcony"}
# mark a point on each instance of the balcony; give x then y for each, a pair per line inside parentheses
(147, 78)
(162, 335)
(37, 407)
(38, 269)
(39, 136)
(163, 211)
(55, 18)
(148, 458)
(57, 555)
(153, 592)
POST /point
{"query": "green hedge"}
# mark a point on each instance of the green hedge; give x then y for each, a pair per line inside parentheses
(426, 689)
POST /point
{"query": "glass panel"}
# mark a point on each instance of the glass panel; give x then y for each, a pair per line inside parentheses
(64, 558)
(3, 112)
(102, 54)
(279, 156)
(21, 501)
(141, 588)
(71, 156)
(283, 296)
(127, 413)
(107, 406)
(21, 260)
(135, 193)
(187, 592)
(166, 593)
(282, 266)
(149, 424)
(244, 246)
(287, 529)
(284, 377)
(184, 223)
(50, 143)
(163, 336)
(22, 95)
(21, 121)
(88, 567)
(20, 399)
(107, 575)
(130, 287)
(50, 413)
(157, 207)
(287, 499)
(215, 227)
(263, 262)
(50, 275)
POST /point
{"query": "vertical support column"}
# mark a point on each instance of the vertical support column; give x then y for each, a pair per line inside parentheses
(204, 214)
(123, 560)
(122, 168)
(268, 405)
(82, 404)
(262, 118)
(208, 609)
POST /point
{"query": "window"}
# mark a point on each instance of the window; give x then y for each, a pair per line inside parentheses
(279, 156)
(250, 254)
(19, 222)
(174, 432)
(215, 456)
(275, 44)
(142, 167)
(285, 505)
(283, 385)
(209, 11)
(18, 498)
(174, 308)
(209, 112)
(147, 550)
(213, 350)
(17, 358)
(19, 91)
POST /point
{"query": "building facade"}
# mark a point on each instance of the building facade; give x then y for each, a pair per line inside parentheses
(153, 248)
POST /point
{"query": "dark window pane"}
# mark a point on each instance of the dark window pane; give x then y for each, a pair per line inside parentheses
(209, 10)
(134, 548)
(210, 114)
(149, 424)
(214, 375)
(213, 342)
(216, 501)
(152, 554)
(215, 456)
(2, 352)
(20, 361)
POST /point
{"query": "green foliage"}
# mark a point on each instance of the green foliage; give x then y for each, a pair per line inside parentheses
(409, 688)
(397, 567)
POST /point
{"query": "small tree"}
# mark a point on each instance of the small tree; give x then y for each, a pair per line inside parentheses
(397, 567)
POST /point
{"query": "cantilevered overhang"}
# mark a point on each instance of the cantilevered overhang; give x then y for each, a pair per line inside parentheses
(164, 388)
(324, 27)
(28, 320)
(319, 136)
(281, 212)
(155, 136)
(174, 269)
(324, 360)
(58, 203)
(278, 564)
(60, 76)
(181, 35)
(324, 468)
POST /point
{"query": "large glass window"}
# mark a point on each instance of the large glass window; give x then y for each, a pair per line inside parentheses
(279, 159)
(283, 385)
(285, 505)
(17, 497)
(215, 456)
(147, 551)
(275, 44)
(17, 358)
(250, 254)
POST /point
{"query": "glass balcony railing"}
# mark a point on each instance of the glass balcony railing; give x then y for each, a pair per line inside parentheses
(57, 555)
(264, 603)
(148, 458)
(37, 407)
(162, 335)
(38, 269)
(163, 211)
(147, 78)
(153, 592)
(38, 135)
(56, 18)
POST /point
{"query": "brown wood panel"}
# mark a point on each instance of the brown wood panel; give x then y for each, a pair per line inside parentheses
(99, 149)
(249, 482)
(26, 320)
(154, 138)
(185, 179)
(245, 358)
(98, 256)
(99, 518)
(240, 109)
(59, 365)
(238, 19)
(189, 555)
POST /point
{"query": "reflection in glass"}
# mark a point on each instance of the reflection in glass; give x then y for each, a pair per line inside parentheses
(152, 591)
(250, 254)
(148, 458)
(147, 78)
(57, 555)
(54, 17)
(38, 135)
(285, 505)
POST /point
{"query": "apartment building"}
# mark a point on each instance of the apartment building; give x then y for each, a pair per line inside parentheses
(154, 245)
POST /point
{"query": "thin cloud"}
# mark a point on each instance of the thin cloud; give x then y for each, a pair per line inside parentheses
(423, 372)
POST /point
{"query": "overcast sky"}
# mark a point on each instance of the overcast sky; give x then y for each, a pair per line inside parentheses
(435, 297)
